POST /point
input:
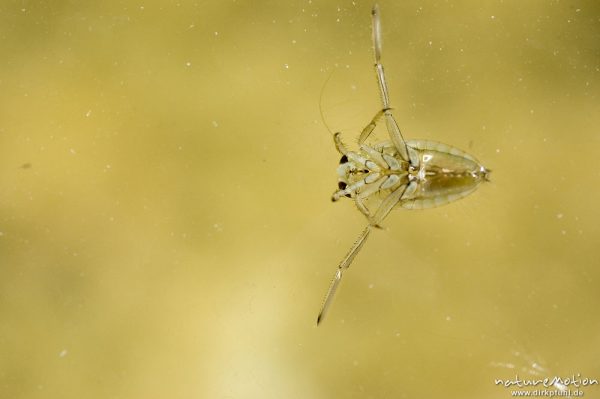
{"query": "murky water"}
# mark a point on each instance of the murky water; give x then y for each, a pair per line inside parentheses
(165, 222)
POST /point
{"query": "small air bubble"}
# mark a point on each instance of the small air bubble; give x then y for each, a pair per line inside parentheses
(559, 216)
(215, 124)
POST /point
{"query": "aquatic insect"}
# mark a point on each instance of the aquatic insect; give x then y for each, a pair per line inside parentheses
(413, 174)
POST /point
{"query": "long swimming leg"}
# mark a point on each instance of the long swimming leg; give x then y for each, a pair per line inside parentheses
(344, 264)
(392, 126)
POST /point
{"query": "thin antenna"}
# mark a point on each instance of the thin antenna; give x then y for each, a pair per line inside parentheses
(321, 102)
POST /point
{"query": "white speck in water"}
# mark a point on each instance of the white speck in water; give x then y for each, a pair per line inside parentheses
(497, 150)
(63, 353)
(448, 318)
(141, 7)
(1, 234)
(72, 151)
(493, 17)
(563, 232)
(531, 111)
(294, 41)
(215, 124)
(218, 227)
(188, 64)
(371, 285)
(286, 66)
(216, 33)
(559, 215)
(87, 114)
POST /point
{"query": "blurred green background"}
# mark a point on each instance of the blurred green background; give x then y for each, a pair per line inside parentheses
(165, 222)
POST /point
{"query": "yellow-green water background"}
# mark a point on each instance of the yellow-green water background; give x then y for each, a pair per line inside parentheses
(166, 228)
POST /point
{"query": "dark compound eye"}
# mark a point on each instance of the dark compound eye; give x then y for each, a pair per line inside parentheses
(342, 185)
(344, 159)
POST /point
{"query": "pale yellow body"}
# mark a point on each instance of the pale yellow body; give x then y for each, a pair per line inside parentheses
(412, 174)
